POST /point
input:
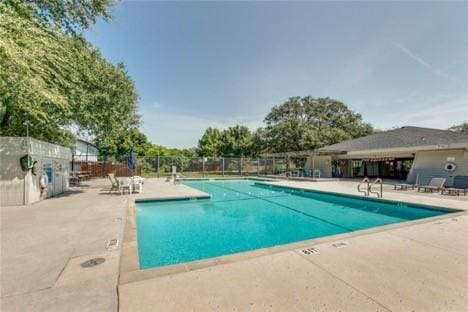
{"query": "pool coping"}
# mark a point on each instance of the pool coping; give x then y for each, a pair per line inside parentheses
(129, 267)
(367, 198)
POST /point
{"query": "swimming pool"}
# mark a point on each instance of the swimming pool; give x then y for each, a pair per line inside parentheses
(243, 215)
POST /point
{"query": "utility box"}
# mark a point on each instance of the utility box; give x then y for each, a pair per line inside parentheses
(20, 184)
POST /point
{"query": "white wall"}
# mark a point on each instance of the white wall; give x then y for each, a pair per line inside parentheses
(19, 187)
(429, 164)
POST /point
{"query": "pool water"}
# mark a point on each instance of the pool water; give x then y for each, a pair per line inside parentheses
(242, 215)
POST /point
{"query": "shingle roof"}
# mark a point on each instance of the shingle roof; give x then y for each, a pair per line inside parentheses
(398, 138)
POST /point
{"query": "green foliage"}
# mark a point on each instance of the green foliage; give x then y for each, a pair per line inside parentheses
(309, 123)
(237, 141)
(59, 82)
(298, 124)
(68, 15)
(210, 143)
(462, 128)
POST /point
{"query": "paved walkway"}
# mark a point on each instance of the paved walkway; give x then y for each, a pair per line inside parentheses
(422, 267)
(43, 245)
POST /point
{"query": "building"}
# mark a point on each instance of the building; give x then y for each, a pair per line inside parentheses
(24, 164)
(409, 153)
(85, 151)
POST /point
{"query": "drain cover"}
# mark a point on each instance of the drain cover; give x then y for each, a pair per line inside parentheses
(310, 251)
(113, 244)
(93, 262)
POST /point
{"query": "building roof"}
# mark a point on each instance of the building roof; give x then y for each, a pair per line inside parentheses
(404, 137)
(86, 142)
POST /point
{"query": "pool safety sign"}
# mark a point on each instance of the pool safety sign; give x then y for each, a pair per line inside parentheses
(48, 172)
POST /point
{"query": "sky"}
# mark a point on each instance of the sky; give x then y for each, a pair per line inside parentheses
(201, 64)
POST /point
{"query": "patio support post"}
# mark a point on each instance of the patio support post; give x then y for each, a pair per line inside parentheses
(313, 165)
(273, 168)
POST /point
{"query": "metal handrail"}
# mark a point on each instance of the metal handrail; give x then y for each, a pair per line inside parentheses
(377, 181)
(364, 181)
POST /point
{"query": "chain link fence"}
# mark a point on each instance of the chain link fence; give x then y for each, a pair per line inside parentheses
(210, 166)
(161, 166)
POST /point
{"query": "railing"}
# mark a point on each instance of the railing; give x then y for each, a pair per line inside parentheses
(366, 182)
(161, 166)
(377, 181)
(368, 187)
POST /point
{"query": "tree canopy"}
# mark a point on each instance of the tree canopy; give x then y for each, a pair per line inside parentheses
(237, 141)
(69, 15)
(58, 81)
(300, 123)
(303, 123)
(210, 143)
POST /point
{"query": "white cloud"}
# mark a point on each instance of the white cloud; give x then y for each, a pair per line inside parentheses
(429, 66)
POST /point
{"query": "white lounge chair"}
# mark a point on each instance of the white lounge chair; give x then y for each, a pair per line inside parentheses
(137, 184)
(125, 184)
(435, 184)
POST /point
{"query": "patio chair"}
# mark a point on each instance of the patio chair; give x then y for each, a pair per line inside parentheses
(137, 184)
(316, 174)
(406, 186)
(125, 184)
(435, 184)
(114, 183)
(460, 185)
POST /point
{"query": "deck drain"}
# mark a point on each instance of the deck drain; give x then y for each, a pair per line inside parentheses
(340, 244)
(310, 251)
(92, 262)
(112, 244)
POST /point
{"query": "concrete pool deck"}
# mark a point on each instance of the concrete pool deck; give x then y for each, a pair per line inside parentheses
(421, 266)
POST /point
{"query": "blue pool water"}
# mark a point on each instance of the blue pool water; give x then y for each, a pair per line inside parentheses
(242, 216)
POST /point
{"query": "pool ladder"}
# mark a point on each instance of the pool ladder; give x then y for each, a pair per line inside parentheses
(368, 190)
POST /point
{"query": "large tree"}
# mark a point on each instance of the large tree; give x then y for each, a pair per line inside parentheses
(57, 81)
(236, 141)
(71, 16)
(309, 123)
(210, 143)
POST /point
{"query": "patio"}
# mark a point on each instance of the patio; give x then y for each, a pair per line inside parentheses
(401, 268)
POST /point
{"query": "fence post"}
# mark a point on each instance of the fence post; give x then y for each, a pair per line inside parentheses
(223, 166)
(158, 167)
(203, 167)
(241, 166)
(258, 166)
(273, 168)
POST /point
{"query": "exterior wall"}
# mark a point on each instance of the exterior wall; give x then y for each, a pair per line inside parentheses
(12, 187)
(83, 148)
(322, 163)
(429, 164)
(19, 187)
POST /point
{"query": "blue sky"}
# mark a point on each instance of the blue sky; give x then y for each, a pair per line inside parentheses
(200, 64)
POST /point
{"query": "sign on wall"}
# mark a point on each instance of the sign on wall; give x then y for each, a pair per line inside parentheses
(48, 172)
